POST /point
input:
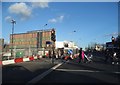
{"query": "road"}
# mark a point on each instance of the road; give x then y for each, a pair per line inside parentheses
(43, 71)
(72, 72)
(24, 71)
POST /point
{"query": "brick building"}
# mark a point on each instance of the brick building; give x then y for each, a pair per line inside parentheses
(31, 39)
(1, 44)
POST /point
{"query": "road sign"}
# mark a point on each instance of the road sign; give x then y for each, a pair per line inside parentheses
(48, 42)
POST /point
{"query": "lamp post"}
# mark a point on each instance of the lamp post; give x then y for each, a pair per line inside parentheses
(44, 40)
(13, 22)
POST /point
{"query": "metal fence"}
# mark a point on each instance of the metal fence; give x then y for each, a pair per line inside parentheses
(28, 52)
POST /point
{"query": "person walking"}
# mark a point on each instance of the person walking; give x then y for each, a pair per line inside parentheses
(115, 57)
(107, 55)
(81, 55)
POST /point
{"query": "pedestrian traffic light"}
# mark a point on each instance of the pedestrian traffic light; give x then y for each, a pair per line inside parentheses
(53, 36)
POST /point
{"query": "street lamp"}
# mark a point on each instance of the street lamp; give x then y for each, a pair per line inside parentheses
(13, 22)
(44, 40)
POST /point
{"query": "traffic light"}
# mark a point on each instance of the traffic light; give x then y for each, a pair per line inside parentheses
(65, 44)
(4, 45)
(53, 36)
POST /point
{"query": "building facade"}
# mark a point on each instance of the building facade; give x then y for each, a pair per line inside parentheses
(31, 39)
(24, 40)
(66, 45)
(1, 44)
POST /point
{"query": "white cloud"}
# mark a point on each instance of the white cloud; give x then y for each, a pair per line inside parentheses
(24, 11)
(61, 18)
(52, 20)
(40, 4)
(8, 18)
(21, 9)
(57, 19)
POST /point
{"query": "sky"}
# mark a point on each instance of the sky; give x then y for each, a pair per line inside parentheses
(81, 22)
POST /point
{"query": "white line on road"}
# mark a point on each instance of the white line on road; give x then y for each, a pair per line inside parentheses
(86, 71)
(38, 78)
(117, 72)
(76, 70)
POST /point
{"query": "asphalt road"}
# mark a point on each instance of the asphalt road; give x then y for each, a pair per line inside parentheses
(70, 72)
(21, 73)
(73, 72)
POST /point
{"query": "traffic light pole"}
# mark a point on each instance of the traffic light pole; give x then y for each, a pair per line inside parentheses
(53, 55)
(53, 38)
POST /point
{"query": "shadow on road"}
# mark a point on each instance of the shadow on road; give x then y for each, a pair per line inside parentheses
(62, 77)
(16, 74)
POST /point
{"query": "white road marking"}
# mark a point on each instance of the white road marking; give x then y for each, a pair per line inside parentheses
(39, 77)
(76, 70)
(117, 72)
(86, 71)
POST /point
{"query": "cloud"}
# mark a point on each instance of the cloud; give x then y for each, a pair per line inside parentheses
(40, 4)
(21, 9)
(24, 11)
(8, 18)
(61, 18)
(111, 34)
(52, 20)
(57, 19)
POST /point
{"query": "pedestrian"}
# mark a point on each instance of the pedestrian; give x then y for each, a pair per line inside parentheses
(49, 54)
(112, 58)
(115, 57)
(56, 52)
(106, 55)
(81, 55)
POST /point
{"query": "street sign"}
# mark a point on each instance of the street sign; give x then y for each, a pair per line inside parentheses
(48, 42)
(70, 51)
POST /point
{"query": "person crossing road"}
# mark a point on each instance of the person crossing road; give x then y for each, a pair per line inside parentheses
(81, 55)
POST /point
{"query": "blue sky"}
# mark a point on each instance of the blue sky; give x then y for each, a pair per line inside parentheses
(92, 21)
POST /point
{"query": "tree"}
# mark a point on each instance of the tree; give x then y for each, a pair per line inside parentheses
(118, 41)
